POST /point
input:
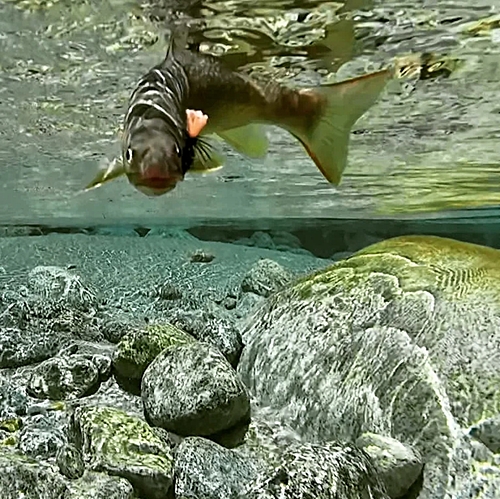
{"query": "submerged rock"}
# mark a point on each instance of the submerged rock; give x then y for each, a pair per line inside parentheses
(398, 465)
(100, 486)
(24, 347)
(201, 256)
(399, 340)
(488, 433)
(204, 469)
(69, 459)
(265, 278)
(61, 284)
(22, 476)
(13, 400)
(192, 389)
(62, 378)
(122, 445)
(327, 471)
(138, 349)
(211, 328)
(267, 438)
(42, 435)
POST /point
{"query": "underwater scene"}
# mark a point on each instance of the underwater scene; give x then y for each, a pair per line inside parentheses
(249, 249)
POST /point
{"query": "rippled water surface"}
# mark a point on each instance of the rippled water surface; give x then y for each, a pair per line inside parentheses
(431, 143)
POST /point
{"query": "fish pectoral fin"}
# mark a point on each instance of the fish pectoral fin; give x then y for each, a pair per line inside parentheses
(327, 140)
(206, 157)
(250, 140)
(112, 170)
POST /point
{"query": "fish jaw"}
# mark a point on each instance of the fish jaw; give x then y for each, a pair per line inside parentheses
(154, 181)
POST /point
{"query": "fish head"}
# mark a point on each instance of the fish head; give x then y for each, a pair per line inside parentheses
(153, 162)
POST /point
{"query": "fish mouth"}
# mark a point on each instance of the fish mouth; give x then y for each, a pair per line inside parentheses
(155, 183)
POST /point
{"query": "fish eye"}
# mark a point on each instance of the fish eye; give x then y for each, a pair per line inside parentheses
(129, 155)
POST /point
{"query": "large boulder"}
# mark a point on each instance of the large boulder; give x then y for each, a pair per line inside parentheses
(401, 339)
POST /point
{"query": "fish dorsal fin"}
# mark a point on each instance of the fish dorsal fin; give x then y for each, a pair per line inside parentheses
(250, 140)
(177, 40)
(207, 158)
(107, 172)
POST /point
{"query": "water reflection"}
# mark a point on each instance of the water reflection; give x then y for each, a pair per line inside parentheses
(429, 145)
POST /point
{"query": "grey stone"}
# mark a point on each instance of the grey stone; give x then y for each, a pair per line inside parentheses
(64, 378)
(397, 464)
(69, 459)
(58, 283)
(192, 389)
(123, 445)
(285, 240)
(212, 328)
(204, 469)
(488, 433)
(247, 304)
(13, 400)
(138, 349)
(267, 438)
(22, 348)
(201, 256)
(327, 471)
(265, 278)
(24, 477)
(100, 486)
(262, 240)
(42, 435)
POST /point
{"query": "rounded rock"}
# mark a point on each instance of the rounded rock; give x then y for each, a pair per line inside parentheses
(192, 389)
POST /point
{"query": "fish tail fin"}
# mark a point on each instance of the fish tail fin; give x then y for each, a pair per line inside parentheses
(326, 140)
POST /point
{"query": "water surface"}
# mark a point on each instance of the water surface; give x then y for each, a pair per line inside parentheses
(429, 146)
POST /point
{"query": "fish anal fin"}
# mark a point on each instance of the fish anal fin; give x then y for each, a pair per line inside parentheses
(326, 140)
(250, 140)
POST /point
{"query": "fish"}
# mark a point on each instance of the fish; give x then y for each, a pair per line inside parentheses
(158, 149)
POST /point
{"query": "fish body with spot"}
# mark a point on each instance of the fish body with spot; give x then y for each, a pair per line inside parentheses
(158, 151)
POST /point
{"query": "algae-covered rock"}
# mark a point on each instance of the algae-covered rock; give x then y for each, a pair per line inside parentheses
(192, 389)
(206, 469)
(22, 476)
(397, 464)
(122, 445)
(399, 339)
(327, 471)
(139, 348)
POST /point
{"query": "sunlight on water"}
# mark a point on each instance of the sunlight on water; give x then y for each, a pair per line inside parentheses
(429, 145)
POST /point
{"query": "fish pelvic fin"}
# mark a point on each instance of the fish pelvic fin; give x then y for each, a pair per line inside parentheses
(327, 139)
(112, 170)
(207, 158)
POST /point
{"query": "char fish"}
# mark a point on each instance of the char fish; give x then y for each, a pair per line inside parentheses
(158, 151)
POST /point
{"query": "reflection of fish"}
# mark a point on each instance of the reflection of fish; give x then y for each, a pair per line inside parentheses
(157, 150)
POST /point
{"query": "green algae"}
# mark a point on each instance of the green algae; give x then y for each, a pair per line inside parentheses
(120, 444)
(137, 349)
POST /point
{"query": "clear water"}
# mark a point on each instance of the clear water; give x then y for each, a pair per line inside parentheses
(427, 149)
